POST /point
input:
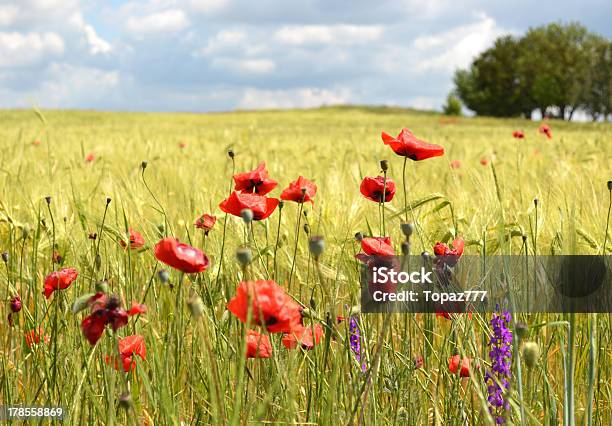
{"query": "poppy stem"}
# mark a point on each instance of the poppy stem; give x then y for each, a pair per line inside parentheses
(382, 202)
(607, 221)
(225, 225)
(280, 215)
(297, 238)
(405, 190)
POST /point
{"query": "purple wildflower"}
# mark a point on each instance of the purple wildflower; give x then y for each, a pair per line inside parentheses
(355, 340)
(498, 378)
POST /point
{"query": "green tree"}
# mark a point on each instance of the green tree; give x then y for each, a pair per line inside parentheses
(452, 105)
(597, 99)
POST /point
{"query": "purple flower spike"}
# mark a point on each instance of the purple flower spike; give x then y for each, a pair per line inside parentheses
(355, 340)
(498, 379)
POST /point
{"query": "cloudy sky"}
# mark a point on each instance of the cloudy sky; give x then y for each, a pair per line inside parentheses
(216, 55)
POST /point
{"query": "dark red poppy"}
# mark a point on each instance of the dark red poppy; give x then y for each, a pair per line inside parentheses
(518, 134)
(418, 361)
(407, 145)
(104, 311)
(128, 347)
(90, 157)
(372, 188)
(261, 206)
(137, 308)
(545, 130)
(59, 280)
(136, 240)
(15, 304)
(35, 336)
(183, 257)
(455, 164)
(455, 361)
(303, 336)
(205, 222)
(300, 191)
(271, 306)
(256, 181)
(258, 345)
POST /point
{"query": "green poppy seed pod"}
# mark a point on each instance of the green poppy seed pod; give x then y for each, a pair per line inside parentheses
(307, 229)
(125, 401)
(610, 185)
(407, 229)
(405, 248)
(48, 199)
(5, 256)
(521, 330)
(230, 153)
(316, 245)
(244, 255)
(384, 165)
(102, 286)
(425, 255)
(143, 165)
(196, 306)
(247, 215)
(531, 353)
(359, 236)
(25, 232)
(164, 276)
(81, 303)
(98, 262)
(161, 228)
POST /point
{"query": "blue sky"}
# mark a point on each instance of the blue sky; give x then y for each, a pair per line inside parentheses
(217, 55)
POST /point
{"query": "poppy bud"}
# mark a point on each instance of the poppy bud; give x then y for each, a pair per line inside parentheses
(98, 262)
(316, 245)
(307, 229)
(164, 276)
(405, 248)
(143, 165)
(359, 236)
(5, 256)
(281, 204)
(531, 353)
(25, 231)
(610, 185)
(384, 165)
(48, 199)
(522, 329)
(81, 303)
(524, 237)
(108, 200)
(425, 255)
(244, 255)
(535, 202)
(247, 215)
(125, 401)
(230, 153)
(161, 228)
(313, 303)
(15, 304)
(407, 229)
(196, 306)
(102, 286)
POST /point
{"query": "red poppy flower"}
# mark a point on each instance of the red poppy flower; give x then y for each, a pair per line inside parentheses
(271, 306)
(377, 246)
(256, 181)
(128, 347)
(137, 308)
(206, 222)
(183, 257)
(34, 337)
(441, 249)
(136, 240)
(258, 345)
(545, 130)
(407, 145)
(454, 362)
(182, 145)
(455, 164)
(418, 361)
(36, 142)
(104, 311)
(372, 188)
(90, 157)
(261, 206)
(59, 280)
(303, 336)
(300, 191)
(484, 161)
(518, 134)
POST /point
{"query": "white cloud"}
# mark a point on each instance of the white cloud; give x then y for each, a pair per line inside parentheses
(245, 66)
(96, 43)
(292, 98)
(223, 40)
(208, 6)
(328, 34)
(8, 14)
(18, 49)
(170, 20)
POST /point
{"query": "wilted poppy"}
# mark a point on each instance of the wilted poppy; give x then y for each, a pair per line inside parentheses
(205, 222)
(104, 311)
(373, 187)
(300, 191)
(456, 360)
(407, 145)
(258, 345)
(261, 206)
(183, 257)
(271, 306)
(303, 336)
(545, 130)
(256, 181)
(518, 134)
(59, 280)
(136, 240)
(34, 337)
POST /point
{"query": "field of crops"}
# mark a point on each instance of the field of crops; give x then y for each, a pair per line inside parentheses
(74, 183)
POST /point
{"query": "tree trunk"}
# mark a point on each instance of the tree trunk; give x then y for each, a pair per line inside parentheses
(571, 113)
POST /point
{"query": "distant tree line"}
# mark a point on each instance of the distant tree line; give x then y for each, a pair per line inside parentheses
(556, 69)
